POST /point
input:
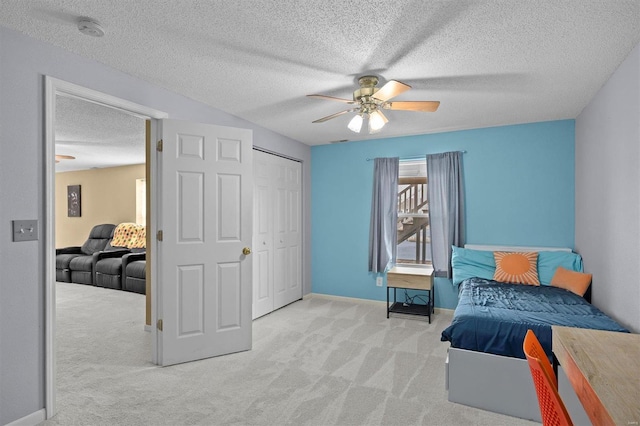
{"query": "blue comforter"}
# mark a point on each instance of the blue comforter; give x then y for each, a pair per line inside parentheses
(494, 317)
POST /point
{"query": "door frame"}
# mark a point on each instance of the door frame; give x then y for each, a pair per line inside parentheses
(54, 87)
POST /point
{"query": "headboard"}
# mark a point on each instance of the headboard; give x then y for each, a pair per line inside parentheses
(514, 248)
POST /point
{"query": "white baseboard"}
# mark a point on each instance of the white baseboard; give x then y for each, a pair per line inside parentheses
(356, 299)
(30, 420)
(345, 298)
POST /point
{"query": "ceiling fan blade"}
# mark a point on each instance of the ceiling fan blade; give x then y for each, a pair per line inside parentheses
(65, 157)
(332, 98)
(392, 89)
(329, 117)
(425, 106)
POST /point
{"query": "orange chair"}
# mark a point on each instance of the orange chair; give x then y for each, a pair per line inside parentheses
(552, 408)
(532, 347)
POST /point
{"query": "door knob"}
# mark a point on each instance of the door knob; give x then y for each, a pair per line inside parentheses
(246, 251)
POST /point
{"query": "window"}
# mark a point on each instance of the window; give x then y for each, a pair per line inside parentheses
(141, 201)
(413, 214)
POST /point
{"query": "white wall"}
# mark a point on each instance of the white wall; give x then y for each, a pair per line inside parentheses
(608, 194)
(23, 64)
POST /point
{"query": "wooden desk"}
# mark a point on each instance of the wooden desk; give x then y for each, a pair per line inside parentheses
(413, 278)
(603, 368)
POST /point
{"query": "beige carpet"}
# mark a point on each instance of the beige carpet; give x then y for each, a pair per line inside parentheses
(318, 361)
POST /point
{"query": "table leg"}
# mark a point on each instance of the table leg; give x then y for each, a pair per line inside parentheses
(387, 302)
(432, 294)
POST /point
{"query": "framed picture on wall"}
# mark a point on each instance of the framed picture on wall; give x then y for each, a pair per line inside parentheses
(73, 201)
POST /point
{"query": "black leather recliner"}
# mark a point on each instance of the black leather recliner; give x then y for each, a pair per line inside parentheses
(134, 270)
(75, 264)
(110, 267)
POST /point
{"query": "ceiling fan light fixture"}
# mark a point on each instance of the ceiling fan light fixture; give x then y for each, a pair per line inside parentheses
(376, 122)
(355, 125)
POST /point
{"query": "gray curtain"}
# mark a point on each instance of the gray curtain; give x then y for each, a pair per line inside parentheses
(383, 231)
(445, 194)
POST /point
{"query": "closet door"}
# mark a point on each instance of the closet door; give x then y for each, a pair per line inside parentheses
(277, 243)
(262, 235)
(287, 235)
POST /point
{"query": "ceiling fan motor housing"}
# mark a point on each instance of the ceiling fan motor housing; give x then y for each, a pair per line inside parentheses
(367, 87)
(363, 94)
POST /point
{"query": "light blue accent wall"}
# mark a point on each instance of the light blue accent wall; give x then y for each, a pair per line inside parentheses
(519, 183)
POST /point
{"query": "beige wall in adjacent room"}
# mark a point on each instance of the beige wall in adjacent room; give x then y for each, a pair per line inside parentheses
(107, 196)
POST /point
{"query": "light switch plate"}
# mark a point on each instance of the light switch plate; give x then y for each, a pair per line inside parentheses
(25, 230)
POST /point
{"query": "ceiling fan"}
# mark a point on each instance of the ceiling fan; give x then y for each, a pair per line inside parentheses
(371, 100)
(64, 157)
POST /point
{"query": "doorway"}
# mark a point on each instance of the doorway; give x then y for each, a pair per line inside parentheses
(100, 160)
(53, 89)
(214, 292)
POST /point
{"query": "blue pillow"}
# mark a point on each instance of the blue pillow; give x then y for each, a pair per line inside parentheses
(548, 262)
(468, 263)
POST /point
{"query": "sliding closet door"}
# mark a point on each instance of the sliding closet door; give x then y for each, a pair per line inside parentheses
(277, 271)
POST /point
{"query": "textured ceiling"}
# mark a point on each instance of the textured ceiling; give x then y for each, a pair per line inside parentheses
(96, 136)
(489, 62)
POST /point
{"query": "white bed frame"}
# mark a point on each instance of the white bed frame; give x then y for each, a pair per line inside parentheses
(502, 384)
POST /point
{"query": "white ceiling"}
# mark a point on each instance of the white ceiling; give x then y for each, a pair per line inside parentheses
(97, 136)
(489, 62)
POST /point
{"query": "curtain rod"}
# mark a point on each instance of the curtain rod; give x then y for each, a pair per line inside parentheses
(418, 158)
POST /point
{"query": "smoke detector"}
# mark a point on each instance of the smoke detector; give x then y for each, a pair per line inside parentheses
(90, 27)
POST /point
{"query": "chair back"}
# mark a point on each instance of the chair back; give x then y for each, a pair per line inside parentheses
(532, 346)
(99, 237)
(552, 409)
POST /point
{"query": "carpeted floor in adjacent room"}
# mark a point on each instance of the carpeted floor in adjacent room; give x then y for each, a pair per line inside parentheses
(320, 361)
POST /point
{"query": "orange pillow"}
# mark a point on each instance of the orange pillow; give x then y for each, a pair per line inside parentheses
(516, 268)
(577, 282)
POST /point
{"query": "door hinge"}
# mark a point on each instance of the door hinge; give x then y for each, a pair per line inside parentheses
(159, 324)
(159, 235)
(159, 146)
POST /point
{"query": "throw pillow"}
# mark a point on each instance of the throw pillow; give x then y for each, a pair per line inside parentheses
(577, 282)
(516, 268)
(548, 262)
(468, 263)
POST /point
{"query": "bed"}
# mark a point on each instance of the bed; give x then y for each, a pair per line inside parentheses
(486, 367)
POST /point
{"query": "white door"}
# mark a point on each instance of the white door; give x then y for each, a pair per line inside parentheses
(262, 236)
(287, 236)
(277, 238)
(204, 280)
